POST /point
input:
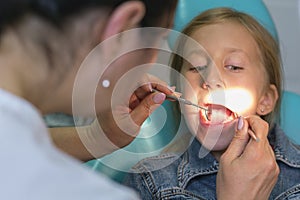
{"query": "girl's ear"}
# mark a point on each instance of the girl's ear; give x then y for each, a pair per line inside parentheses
(268, 101)
(126, 16)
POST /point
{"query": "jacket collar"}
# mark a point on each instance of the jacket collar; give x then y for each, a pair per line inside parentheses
(194, 164)
(285, 151)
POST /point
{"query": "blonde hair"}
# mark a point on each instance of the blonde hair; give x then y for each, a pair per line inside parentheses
(268, 46)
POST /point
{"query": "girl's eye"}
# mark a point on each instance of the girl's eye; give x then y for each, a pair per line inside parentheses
(198, 69)
(233, 68)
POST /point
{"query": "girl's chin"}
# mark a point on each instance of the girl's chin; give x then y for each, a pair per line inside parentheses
(216, 137)
(219, 146)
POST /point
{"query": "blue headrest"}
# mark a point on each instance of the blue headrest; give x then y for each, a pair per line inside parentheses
(188, 9)
(290, 115)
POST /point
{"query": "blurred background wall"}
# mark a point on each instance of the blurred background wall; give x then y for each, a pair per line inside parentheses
(286, 16)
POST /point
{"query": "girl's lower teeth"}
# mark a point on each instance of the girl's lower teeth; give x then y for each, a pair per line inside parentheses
(217, 117)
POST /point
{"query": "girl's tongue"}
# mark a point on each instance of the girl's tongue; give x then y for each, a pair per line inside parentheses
(217, 114)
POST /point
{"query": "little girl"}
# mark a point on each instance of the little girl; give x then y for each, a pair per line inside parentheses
(240, 77)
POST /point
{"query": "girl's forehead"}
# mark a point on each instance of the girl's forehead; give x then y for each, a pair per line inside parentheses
(226, 35)
(223, 28)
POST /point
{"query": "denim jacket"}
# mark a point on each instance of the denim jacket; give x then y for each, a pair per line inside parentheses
(185, 176)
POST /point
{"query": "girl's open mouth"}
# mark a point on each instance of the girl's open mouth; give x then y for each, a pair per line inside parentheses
(216, 114)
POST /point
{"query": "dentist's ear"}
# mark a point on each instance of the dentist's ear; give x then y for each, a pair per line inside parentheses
(268, 101)
(126, 16)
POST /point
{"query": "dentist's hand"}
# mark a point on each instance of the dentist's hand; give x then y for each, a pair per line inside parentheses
(248, 169)
(117, 126)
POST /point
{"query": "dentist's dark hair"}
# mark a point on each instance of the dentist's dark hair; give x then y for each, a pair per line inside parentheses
(56, 11)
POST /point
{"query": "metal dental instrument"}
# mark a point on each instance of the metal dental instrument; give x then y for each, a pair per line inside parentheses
(184, 101)
(187, 102)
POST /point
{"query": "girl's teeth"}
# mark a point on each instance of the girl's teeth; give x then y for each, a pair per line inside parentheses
(218, 116)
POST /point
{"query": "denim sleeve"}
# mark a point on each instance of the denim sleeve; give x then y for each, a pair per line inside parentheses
(294, 197)
(138, 183)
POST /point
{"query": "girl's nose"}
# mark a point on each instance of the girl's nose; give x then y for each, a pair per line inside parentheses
(212, 79)
(212, 84)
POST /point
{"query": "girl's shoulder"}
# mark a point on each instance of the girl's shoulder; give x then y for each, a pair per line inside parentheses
(285, 150)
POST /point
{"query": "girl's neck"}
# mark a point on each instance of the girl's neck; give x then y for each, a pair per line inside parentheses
(217, 154)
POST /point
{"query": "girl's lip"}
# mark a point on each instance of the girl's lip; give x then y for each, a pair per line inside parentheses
(208, 124)
(206, 116)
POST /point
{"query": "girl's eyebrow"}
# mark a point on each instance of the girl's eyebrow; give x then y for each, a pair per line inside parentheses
(236, 50)
(197, 52)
